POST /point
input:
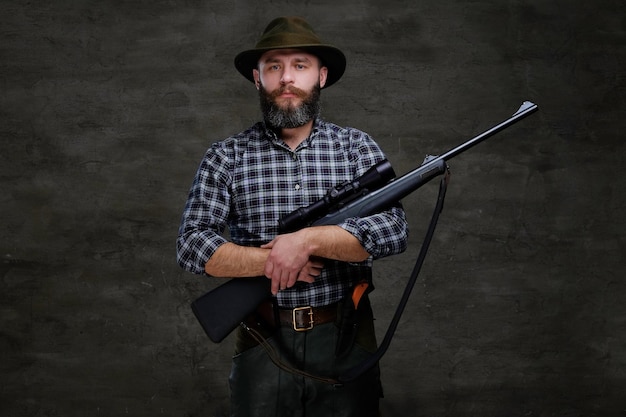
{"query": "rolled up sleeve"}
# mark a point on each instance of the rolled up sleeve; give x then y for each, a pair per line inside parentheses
(204, 217)
(382, 234)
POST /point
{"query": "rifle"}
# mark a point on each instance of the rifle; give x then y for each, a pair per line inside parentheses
(222, 309)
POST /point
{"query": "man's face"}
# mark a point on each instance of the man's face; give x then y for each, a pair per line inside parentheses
(289, 83)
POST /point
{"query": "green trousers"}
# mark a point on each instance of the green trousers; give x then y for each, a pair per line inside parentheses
(260, 389)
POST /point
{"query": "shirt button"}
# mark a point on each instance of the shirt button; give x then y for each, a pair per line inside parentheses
(297, 187)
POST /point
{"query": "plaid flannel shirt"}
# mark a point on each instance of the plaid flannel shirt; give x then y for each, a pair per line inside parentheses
(250, 180)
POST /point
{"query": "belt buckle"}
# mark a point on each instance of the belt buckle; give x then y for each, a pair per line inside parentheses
(300, 311)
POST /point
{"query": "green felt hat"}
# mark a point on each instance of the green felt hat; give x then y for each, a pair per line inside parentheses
(292, 33)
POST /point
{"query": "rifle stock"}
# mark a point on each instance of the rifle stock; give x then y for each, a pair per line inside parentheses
(222, 309)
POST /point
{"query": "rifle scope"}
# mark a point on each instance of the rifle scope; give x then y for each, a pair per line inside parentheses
(374, 178)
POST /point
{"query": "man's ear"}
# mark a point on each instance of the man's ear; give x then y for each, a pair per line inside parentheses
(257, 78)
(323, 76)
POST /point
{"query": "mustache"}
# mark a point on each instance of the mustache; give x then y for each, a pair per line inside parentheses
(288, 89)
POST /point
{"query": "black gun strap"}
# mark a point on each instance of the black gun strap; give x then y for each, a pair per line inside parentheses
(368, 363)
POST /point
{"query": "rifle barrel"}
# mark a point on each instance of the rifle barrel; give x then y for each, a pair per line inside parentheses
(525, 109)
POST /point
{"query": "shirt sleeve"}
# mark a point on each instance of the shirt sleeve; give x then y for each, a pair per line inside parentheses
(205, 215)
(381, 234)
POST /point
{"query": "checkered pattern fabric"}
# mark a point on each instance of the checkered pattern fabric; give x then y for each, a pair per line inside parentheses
(248, 181)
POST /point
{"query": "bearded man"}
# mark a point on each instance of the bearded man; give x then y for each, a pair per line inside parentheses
(246, 183)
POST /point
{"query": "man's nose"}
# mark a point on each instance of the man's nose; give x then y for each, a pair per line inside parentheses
(287, 76)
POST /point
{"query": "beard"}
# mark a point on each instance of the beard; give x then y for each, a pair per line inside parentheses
(291, 116)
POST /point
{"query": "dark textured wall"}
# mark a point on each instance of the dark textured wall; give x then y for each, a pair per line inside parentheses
(107, 107)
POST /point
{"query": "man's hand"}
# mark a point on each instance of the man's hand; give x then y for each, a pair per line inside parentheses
(290, 260)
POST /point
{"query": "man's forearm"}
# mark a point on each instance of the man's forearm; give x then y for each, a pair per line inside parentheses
(329, 242)
(234, 261)
(333, 242)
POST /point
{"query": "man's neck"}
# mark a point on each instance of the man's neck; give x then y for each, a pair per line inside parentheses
(295, 136)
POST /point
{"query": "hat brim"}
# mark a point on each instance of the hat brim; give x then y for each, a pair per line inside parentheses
(331, 57)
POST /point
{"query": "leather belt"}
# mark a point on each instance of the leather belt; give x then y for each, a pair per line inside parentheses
(305, 318)
(300, 319)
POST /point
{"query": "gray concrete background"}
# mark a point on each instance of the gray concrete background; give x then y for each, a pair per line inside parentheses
(107, 107)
